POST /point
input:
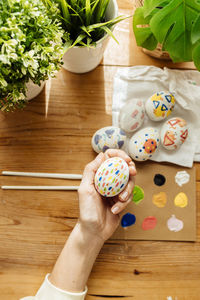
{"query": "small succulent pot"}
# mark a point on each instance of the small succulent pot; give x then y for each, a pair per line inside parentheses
(83, 59)
(33, 89)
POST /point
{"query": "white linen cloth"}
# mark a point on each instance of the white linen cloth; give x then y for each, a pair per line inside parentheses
(48, 291)
(141, 82)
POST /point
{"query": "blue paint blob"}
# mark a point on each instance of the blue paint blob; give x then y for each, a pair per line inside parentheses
(110, 188)
(128, 220)
(109, 132)
(135, 142)
(105, 148)
(164, 107)
(121, 186)
(110, 164)
(100, 178)
(120, 144)
(97, 139)
(140, 150)
(122, 132)
(117, 172)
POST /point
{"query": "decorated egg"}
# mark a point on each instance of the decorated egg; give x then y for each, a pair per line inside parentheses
(131, 115)
(110, 137)
(174, 133)
(112, 177)
(144, 143)
(160, 105)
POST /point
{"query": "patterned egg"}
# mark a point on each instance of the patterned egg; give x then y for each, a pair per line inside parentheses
(131, 115)
(160, 105)
(110, 137)
(112, 177)
(144, 143)
(174, 133)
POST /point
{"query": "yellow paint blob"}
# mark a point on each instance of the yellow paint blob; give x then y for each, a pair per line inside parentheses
(160, 199)
(181, 200)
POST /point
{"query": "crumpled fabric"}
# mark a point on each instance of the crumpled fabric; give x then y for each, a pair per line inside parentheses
(141, 82)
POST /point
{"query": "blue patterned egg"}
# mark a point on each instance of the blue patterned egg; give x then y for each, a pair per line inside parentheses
(110, 137)
(112, 177)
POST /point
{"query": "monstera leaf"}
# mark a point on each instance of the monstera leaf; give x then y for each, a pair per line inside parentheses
(173, 23)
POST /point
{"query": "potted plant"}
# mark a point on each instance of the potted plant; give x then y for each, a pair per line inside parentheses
(172, 23)
(87, 25)
(30, 50)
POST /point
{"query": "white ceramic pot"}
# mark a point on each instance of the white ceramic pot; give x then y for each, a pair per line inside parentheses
(33, 89)
(83, 59)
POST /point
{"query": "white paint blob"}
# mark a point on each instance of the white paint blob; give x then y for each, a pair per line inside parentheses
(174, 224)
(182, 177)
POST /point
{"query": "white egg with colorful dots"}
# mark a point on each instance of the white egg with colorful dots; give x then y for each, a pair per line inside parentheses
(131, 115)
(112, 177)
(144, 144)
(160, 105)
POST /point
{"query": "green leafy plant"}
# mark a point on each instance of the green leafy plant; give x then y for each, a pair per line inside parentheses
(84, 21)
(173, 23)
(30, 48)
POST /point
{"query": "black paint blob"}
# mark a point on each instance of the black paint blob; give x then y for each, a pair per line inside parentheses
(159, 179)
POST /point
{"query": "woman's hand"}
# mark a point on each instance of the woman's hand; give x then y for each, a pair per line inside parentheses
(99, 216)
(98, 220)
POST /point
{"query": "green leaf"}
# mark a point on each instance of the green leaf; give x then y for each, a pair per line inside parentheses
(196, 56)
(195, 34)
(174, 24)
(102, 6)
(78, 40)
(88, 11)
(108, 31)
(144, 36)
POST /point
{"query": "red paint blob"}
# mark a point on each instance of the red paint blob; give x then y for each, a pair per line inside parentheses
(149, 223)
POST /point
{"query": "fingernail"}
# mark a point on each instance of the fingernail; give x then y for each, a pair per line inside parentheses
(124, 195)
(115, 210)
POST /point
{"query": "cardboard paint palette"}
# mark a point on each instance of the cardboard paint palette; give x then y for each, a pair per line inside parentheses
(159, 205)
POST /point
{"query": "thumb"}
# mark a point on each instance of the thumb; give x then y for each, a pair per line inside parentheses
(91, 168)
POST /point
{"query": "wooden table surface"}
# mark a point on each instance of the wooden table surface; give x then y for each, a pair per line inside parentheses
(53, 134)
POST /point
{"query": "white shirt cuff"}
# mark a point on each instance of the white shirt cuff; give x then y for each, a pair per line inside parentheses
(48, 291)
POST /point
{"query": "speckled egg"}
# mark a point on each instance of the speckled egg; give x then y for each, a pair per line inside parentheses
(110, 137)
(131, 115)
(160, 105)
(144, 143)
(112, 177)
(174, 133)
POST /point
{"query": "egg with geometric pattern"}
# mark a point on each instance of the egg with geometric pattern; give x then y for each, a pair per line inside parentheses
(160, 105)
(174, 132)
(112, 177)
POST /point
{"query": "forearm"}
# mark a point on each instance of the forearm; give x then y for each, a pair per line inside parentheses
(76, 260)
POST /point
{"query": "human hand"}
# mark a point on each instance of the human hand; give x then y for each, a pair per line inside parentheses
(99, 216)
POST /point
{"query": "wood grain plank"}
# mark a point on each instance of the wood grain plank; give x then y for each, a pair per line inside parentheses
(48, 136)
